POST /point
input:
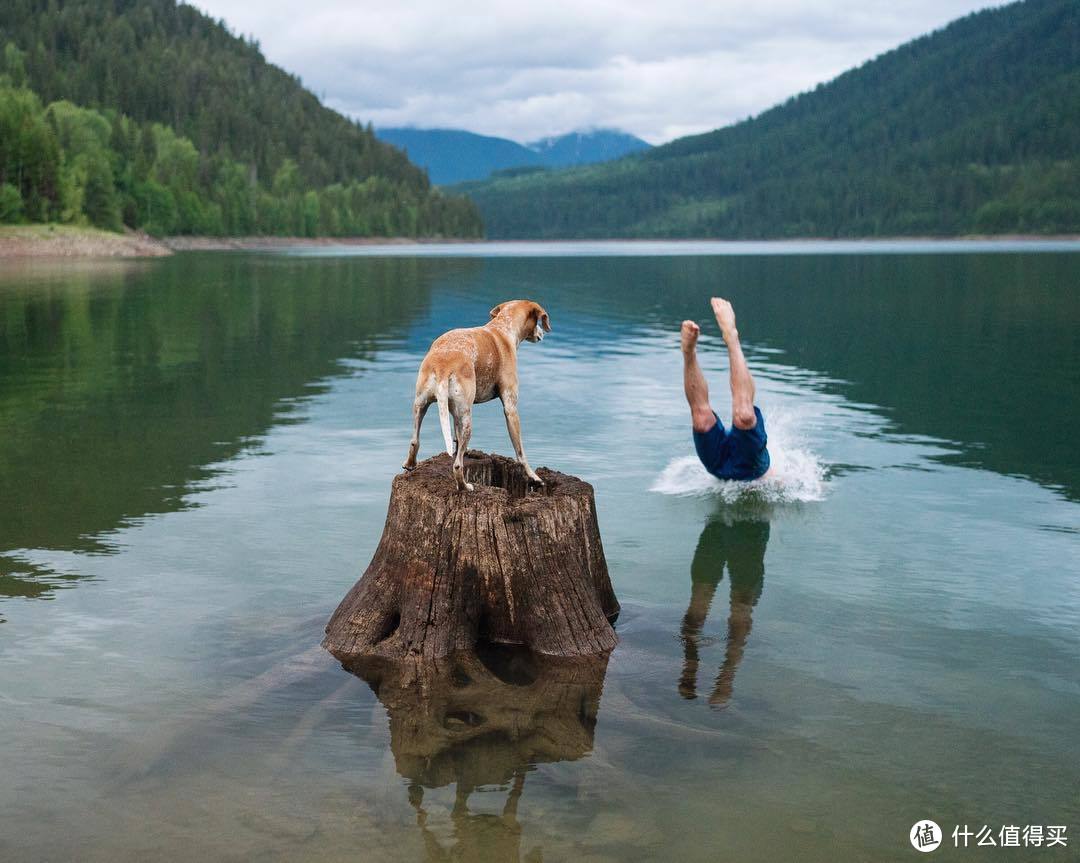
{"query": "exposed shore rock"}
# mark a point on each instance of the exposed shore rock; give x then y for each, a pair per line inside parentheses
(215, 244)
(67, 241)
(70, 241)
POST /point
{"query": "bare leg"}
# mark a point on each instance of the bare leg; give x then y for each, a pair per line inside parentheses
(513, 426)
(742, 384)
(697, 391)
(420, 407)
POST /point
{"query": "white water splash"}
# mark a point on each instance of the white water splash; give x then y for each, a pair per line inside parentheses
(797, 474)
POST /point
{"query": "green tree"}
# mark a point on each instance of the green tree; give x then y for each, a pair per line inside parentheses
(88, 186)
(14, 64)
(11, 205)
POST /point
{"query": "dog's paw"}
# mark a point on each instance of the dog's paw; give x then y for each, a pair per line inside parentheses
(470, 487)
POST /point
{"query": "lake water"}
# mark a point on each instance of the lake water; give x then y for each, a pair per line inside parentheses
(196, 457)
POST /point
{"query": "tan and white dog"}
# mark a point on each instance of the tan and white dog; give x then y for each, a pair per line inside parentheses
(468, 366)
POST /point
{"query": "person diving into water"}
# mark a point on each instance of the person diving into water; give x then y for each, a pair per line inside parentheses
(741, 452)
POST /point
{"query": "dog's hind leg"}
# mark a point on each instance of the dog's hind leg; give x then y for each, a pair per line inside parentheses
(513, 425)
(462, 393)
(420, 406)
(463, 426)
(442, 396)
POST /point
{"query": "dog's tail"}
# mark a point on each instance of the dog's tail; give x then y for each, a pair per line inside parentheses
(442, 396)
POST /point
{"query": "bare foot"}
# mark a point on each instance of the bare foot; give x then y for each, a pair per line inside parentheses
(689, 336)
(725, 314)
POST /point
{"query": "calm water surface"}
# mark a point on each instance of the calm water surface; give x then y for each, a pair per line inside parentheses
(196, 456)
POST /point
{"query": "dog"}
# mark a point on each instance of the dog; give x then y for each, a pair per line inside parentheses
(468, 366)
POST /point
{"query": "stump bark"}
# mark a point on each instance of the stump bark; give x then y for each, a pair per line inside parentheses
(504, 564)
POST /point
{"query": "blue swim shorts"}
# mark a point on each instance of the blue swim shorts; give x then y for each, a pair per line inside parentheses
(735, 454)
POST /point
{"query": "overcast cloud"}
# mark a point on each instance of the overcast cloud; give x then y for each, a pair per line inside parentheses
(524, 70)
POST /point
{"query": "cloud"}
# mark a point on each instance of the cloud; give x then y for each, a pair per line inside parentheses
(526, 69)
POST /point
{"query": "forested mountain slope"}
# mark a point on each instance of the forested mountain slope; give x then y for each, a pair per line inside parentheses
(972, 129)
(154, 71)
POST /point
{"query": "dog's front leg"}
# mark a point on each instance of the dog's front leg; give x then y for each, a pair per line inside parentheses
(513, 425)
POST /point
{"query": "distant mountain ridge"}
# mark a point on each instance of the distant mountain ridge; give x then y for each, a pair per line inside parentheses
(586, 147)
(972, 129)
(456, 156)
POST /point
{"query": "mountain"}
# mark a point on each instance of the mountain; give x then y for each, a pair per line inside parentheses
(181, 126)
(584, 148)
(454, 156)
(974, 128)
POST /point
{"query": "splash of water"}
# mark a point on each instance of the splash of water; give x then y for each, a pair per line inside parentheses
(797, 474)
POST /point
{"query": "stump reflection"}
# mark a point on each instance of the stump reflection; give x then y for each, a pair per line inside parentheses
(484, 718)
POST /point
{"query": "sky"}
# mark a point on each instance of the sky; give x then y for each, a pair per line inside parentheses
(523, 69)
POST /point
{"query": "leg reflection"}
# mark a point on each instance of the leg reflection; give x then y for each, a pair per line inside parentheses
(740, 545)
(701, 595)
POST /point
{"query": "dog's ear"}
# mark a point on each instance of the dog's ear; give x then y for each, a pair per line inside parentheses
(496, 310)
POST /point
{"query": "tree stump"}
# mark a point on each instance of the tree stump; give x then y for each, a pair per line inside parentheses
(504, 564)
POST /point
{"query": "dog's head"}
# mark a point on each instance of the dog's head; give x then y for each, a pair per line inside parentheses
(528, 319)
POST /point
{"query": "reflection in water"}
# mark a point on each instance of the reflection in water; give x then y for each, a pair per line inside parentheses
(121, 388)
(117, 391)
(741, 546)
(21, 579)
(113, 753)
(484, 719)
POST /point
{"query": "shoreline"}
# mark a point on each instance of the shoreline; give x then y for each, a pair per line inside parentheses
(47, 241)
(257, 243)
(74, 242)
(51, 241)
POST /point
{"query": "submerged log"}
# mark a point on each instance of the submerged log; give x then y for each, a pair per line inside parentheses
(505, 564)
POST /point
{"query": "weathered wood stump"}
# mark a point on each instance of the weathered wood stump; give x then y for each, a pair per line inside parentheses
(505, 564)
